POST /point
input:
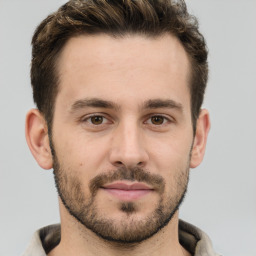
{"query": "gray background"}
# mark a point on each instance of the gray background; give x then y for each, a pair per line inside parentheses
(222, 191)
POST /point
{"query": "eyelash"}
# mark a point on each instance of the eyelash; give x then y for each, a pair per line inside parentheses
(166, 120)
(88, 119)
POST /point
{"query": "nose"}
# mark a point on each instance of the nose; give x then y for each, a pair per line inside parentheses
(128, 147)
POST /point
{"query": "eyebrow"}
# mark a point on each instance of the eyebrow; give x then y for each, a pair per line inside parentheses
(93, 103)
(100, 103)
(162, 103)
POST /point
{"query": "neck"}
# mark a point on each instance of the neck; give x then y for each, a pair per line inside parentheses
(78, 240)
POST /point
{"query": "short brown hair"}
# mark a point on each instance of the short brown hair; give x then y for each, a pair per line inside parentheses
(116, 18)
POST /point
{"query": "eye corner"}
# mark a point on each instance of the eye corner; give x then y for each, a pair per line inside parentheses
(159, 119)
(163, 122)
(94, 121)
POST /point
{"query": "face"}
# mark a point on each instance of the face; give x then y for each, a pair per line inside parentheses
(122, 133)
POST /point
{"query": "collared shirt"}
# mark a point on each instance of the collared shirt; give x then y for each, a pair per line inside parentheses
(191, 238)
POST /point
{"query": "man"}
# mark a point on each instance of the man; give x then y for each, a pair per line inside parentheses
(119, 87)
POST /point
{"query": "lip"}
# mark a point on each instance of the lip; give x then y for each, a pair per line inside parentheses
(127, 192)
(125, 186)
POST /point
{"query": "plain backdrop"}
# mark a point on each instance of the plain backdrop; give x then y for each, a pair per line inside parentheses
(222, 194)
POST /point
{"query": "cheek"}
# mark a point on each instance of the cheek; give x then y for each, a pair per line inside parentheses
(171, 161)
(82, 155)
(172, 154)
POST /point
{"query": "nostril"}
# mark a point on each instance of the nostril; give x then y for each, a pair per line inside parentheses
(119, 163)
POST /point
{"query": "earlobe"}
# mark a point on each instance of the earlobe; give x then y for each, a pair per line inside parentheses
(199, 145)
(37, 138)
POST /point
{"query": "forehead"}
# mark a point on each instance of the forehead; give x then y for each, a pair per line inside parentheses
(101, 66)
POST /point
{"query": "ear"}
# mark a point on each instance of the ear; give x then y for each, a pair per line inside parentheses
(202, 130)
(37, 138)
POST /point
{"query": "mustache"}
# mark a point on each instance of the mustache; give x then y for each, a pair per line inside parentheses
(130, 174)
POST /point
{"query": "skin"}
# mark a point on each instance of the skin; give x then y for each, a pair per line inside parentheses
(127, 72)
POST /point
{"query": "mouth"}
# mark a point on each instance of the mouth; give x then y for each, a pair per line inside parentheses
(127, 192)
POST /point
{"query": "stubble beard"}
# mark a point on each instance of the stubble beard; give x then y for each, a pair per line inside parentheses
(130, 229)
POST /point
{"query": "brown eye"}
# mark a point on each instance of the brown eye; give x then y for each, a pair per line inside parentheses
(157, 120)
(97, 120)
